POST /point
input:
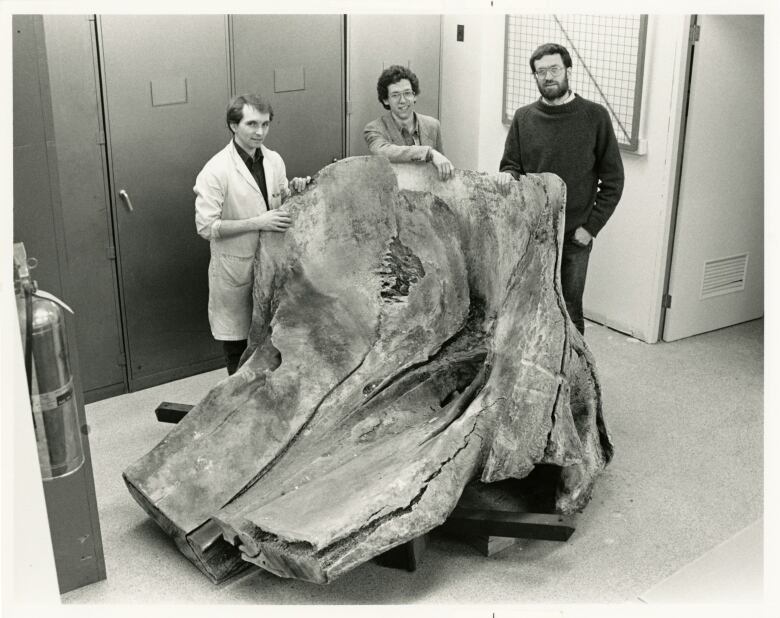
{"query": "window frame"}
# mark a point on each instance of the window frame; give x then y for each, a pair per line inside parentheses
(632, 145)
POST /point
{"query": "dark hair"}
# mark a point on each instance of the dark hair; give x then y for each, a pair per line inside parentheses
(235, 109)
(393, 75)
(548, 49)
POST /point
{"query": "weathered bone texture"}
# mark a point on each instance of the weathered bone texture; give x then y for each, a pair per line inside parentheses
(409, 335)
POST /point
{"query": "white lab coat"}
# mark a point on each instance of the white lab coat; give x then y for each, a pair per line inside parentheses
(226, 189)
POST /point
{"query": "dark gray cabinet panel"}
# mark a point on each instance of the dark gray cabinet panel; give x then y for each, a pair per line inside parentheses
(60, 201)
(35, 195)
(86, 220)
(38, 223)
(138, 280)
(297, 62)
(165, 89)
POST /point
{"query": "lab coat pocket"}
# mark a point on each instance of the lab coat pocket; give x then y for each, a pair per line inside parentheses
(234, 271)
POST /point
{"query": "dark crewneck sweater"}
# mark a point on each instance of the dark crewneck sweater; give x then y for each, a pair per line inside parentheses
(576, 141)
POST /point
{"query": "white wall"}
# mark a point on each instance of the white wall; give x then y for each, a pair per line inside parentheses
(625, 279)
(459, 100)
(493, 133)
(628, 263)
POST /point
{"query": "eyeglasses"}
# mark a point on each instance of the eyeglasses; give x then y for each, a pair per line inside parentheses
(552, 72)
(406, 94)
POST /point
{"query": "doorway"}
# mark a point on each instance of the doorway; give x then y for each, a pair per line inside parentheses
(716, 271)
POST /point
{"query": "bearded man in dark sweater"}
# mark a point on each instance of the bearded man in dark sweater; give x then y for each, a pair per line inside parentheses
(572, 137)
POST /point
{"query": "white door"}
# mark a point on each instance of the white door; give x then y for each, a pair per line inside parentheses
(717, 269)
(377, 41)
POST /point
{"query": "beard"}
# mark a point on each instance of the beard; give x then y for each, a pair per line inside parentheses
(552, 90)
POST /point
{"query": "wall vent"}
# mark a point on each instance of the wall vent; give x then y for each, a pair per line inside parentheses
(724, 275)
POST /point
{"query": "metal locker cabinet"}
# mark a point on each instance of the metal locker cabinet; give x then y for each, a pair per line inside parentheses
(297, 62)
(83, 184)
(38, 222)
(166, 86)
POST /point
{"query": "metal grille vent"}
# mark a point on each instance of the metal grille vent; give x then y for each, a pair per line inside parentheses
(724, 275)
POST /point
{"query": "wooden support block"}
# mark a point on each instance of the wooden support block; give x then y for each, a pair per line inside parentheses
(168, 412)
(489, 545)
(218, 558)
(205, 537)
(540, 526)
(406, 556)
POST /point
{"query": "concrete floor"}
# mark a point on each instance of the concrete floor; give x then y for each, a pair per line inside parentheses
(687, 422)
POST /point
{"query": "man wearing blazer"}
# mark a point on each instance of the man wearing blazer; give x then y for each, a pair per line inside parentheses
(237, 194)
(402, 135)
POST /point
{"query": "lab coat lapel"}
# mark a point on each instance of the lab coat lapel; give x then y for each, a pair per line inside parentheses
(269, 176)
(239, 164)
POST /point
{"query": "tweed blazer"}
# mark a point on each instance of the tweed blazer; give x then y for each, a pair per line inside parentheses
(384, 138)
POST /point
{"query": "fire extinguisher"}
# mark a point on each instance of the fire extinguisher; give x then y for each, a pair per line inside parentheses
(49, 376)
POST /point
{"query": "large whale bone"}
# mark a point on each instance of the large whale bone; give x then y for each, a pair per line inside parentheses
(409, 336)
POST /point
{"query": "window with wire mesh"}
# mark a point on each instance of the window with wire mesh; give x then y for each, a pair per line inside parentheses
(607, 53)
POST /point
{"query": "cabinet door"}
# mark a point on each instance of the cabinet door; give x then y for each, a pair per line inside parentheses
(59, 188)
(166, 88)
(297, 63)
(86, 220)
(375, 43)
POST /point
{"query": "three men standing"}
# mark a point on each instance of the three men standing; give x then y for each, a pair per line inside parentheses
(572, 137)
(240, 188)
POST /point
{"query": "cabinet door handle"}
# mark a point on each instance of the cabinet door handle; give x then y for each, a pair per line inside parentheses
(126, 199)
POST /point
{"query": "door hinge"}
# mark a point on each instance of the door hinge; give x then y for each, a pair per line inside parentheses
(694, 34)
(121, 360)
(349, 107)
(101, 137)
(91, 17)
(110, 252)
(666, 302)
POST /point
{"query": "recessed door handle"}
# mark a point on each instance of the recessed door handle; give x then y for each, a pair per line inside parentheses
(126, 199)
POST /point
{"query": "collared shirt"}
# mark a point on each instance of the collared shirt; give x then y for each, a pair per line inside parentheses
(569, 99)
(413, 138)
(255, 165)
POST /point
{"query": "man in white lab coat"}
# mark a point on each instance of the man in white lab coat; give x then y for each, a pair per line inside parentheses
(237, 194)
